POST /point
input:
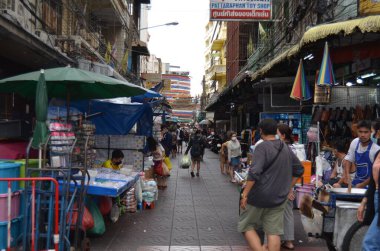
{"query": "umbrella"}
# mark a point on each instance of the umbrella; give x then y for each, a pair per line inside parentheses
(326, 73)
(71, 83)
(205, 122)
(301, 89)
(41, 131)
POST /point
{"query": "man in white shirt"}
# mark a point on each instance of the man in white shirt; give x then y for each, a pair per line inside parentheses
(361, 153)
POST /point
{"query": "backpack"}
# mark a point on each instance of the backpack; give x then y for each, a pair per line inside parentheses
(196, 148)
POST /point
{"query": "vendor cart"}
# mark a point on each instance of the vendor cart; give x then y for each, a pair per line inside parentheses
(339, 227)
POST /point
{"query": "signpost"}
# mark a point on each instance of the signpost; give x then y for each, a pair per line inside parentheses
(240, 10)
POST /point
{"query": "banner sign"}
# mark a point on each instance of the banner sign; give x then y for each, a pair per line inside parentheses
(235, 10)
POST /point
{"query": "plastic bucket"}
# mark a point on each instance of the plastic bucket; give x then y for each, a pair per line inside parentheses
(302, 192)
(9, 170)
(32, 163)
(15, 206)
(15, 232)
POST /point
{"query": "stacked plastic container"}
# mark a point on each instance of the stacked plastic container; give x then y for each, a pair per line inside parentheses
(10, 170)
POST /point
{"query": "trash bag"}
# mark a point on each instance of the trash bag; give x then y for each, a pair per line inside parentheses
(185, 162)
(138, 191)
(105, 205)
(168, 163)
(87, 220)
(115, 213)
(99, 226)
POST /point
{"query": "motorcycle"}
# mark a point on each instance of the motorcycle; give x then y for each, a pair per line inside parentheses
(216, 144)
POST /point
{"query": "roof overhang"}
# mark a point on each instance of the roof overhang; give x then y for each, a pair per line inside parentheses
(140, 48)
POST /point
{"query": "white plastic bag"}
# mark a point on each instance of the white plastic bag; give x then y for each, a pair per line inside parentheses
(185, 162)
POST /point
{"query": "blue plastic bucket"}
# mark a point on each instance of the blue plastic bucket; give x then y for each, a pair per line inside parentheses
(15, 232)
(9, 170)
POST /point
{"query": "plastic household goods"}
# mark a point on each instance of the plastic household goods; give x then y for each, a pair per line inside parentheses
(32, 163)
(9, 170)
(307, 172)
(15, 206)
(15, 232)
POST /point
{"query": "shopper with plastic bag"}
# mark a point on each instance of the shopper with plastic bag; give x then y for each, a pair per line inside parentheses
(196, 148)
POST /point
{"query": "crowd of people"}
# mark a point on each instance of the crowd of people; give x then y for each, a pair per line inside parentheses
(267, 198)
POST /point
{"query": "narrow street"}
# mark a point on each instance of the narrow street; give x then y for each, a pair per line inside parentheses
(191, 214)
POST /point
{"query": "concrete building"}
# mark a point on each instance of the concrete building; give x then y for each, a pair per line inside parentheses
(262, 58)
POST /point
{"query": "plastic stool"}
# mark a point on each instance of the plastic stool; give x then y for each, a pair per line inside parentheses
(148, 205)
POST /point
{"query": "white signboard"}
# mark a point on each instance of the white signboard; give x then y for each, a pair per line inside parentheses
(235, 10)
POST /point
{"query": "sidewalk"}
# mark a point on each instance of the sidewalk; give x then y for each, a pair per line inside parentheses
(198, 213)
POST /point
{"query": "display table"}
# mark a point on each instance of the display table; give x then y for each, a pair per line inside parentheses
(95, 188)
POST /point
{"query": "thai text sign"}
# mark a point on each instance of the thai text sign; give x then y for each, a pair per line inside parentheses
(246, 10)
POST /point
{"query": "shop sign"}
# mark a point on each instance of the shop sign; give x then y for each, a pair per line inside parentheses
(167, 85)
(322, 94)
(369, 7)
(245, 10)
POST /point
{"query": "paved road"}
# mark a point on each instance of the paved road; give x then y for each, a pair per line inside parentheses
(191, 214)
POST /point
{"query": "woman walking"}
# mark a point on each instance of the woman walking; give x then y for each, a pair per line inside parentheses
(234, 155)
(285, 134)
(195, 147)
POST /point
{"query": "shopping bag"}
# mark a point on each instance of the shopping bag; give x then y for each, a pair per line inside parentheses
(165, 169)
(185, 162)
(168, 163)
(99, 226)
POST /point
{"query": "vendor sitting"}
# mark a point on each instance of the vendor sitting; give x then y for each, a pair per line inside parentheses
(116, 160)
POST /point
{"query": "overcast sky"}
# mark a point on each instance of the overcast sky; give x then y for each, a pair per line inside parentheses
(182, 45)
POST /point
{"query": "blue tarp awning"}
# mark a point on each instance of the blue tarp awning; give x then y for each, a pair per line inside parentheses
(118, 119)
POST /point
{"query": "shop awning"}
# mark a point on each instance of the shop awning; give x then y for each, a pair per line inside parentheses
(217, 44)
(363, 25)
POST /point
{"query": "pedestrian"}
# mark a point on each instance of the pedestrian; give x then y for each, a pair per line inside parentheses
(204, 140)
(180, 138)
(361, 153)
(274, 171)
(368, 211)
(234, 155)
(285, 134)
(174, 144)
(195, 148)
(166, 140)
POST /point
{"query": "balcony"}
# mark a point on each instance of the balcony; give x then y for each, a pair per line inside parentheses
(216, 72)
(217, 44)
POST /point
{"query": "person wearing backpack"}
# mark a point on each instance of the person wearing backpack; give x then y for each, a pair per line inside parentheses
(195, 147)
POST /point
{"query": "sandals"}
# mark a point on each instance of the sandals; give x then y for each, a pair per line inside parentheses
(284, 246)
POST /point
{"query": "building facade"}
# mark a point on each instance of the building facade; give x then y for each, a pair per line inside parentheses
(261, 81)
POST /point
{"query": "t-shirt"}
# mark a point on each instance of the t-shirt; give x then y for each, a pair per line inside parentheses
(272, 186)
(351, 152)
(109, 164)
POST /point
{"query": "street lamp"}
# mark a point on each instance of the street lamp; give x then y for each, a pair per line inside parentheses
(167, 24)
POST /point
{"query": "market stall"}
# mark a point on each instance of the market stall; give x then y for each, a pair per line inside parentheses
(64, 145)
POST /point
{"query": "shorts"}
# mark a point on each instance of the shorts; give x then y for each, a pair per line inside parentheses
(235, 161)
(271, 220)
(174, 147)
(179, 142)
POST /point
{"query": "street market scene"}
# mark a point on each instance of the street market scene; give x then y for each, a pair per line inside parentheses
(143, 125)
